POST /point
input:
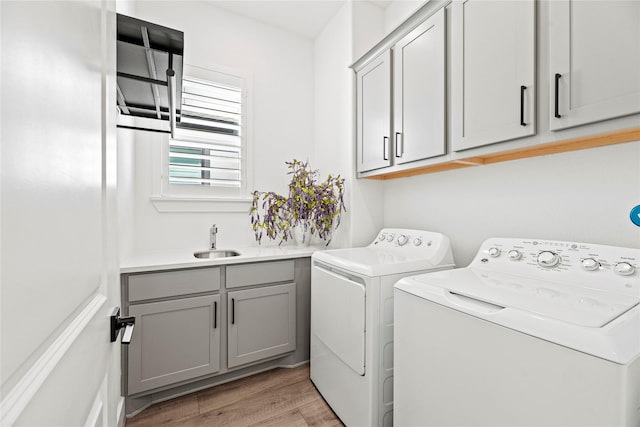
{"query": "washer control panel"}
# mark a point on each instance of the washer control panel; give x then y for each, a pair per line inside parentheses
(581, 264)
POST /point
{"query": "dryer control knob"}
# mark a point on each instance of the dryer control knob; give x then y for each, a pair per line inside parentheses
(417, 241)
(548, 259)
(402, 240)
(514, 254)
(590, 264)
(624, 269)
(382, 236)
(494, 252)
(390, 237)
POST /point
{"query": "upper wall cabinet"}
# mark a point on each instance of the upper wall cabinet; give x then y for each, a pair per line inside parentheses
(594, 61)
(492, 72)
(374, 113)
(419, 92)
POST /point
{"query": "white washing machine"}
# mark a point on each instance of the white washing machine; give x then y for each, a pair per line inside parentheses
(531, 333)
(352, 319)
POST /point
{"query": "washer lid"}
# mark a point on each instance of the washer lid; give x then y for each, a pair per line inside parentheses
(571, 304)
(373, 261)
(603, 324)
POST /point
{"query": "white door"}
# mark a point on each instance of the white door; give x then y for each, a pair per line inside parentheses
(59, 249)
(373, 112)
(419, 92)
(594, 61)
(492, 72)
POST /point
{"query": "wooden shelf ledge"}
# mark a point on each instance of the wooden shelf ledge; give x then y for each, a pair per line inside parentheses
(592, 141)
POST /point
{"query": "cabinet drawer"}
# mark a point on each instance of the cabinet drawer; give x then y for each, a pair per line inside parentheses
(259, 273)
(173, 283)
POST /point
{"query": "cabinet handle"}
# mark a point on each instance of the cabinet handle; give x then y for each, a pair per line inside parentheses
(399, 147)
(557, 95)
(233, 311)
(215, 314)
(385, 147)
(522, 89)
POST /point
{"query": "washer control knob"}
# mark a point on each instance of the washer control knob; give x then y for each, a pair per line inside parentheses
(548, 259)
(417, 241)
(402, 240)
(590, 264)
(382, 236)
(624, 268)
(390, 237)
(494, 252)
(514, 254)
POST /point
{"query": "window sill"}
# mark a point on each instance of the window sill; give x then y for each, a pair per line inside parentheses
(179, 204)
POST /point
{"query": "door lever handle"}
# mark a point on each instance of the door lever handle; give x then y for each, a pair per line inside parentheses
(118, 323)
(128, 332)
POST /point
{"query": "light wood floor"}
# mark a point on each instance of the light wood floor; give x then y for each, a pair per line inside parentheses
(280, 397)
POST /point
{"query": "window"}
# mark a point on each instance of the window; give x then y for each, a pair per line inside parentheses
(208, 157)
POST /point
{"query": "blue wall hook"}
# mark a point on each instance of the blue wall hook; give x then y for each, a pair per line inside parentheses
(634, 215)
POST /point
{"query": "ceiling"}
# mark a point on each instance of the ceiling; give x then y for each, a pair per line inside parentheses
(305, 18)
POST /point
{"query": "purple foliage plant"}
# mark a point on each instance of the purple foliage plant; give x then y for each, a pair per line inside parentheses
(315, 206)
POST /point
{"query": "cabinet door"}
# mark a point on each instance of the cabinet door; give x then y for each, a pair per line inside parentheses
(262, 323)
(419, 88)
(594, 61)
(173, 341)
(373, 107)
(492, 72)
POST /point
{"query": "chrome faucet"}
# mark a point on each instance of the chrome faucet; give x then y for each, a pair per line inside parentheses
(212, 236)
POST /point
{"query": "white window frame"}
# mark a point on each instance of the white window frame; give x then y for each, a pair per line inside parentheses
(185, 198)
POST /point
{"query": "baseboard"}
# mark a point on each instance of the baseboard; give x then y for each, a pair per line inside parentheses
(295, 365)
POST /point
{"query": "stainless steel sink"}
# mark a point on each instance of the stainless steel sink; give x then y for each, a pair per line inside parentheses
(216, 253)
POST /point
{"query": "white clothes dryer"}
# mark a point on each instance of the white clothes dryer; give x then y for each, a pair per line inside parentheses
(531, 333)
(352, 319)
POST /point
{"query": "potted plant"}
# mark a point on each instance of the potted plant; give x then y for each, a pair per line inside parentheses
(311, 207)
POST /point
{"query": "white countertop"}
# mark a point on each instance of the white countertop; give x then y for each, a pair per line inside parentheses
(183, 258)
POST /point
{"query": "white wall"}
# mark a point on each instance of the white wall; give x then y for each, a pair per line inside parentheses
(332, 108)
(398, 11)
(351, 32)
(582, 196)
(311, 82)
(281, 66)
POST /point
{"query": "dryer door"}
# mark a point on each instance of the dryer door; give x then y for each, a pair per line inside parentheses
(338, 315)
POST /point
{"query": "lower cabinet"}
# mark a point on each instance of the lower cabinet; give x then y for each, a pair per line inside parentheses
(175, 341)
(203, 326)
(262, 323)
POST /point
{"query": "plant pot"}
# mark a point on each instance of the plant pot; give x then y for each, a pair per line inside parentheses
(302, 235)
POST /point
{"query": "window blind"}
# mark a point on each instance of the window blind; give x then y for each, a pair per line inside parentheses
(210, 151)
